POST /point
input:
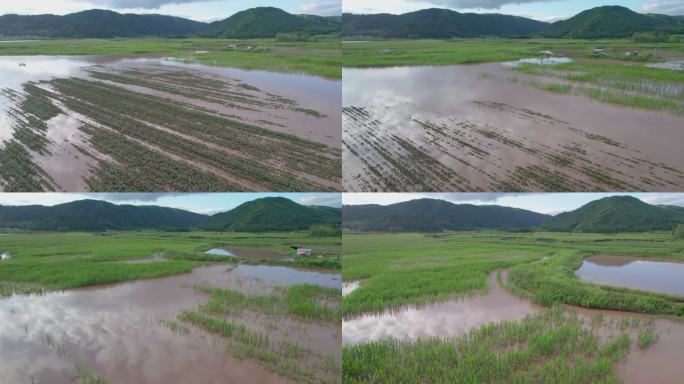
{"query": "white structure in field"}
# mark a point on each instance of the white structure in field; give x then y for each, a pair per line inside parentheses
(301, 252)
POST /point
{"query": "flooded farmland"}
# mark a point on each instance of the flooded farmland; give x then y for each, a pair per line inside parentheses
(658, 363)
(484, 128)
(655, 275)
(128, 333)
(97, 123)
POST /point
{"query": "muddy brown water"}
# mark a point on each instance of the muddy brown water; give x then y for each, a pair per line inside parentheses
(658, 364)
(467, 128)
(646, 274)
(116, 331)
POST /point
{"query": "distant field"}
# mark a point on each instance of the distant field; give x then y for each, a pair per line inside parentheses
(50, 261)
(611, 77)
(414, 268)
(465, 51)
(322, 58)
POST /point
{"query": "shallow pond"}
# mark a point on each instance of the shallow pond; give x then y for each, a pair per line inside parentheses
(115, 330)
(646, 274)
(349, 287)
(251, 253)
(482, 127)
(673, 65)
(220, 252)
(538, 60)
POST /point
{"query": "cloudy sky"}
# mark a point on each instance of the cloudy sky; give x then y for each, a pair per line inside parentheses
(201, 10)
(537, 9)
(205, 203)
(549, 203)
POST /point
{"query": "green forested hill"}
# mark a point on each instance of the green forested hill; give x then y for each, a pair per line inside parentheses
(272, 214)
(430, 215)
(611, 22)
(617, 214)
(437, 24)
(97, 24)
(267, 22)
(93, 215)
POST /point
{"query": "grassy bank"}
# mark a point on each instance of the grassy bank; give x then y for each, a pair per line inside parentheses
(51, 261)
(409, 268)
(322, 58)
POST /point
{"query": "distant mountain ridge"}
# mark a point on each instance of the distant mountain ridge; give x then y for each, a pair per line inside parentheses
(260, 215)
(272, 214)
(268, 22)
(97, 23)
(95, 215)
(434, 23)
(617, 214)
(437, 23)
(259, 22)
(431, 215)
(612, 22)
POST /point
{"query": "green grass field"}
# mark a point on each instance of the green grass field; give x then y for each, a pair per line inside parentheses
(52, 261)
(321, 58)
(409, 268)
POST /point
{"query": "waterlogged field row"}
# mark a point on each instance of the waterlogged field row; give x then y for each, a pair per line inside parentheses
(53, 261)
(460, 154)
(321, 58)
(578, 339)
(156, 128)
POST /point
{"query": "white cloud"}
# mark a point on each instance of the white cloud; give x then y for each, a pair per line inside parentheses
(40, 198)
(479, 4)
(664, 199)
(321, 8)
(665, 7)
(393, 198)
(142, 4)
(326, 199)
